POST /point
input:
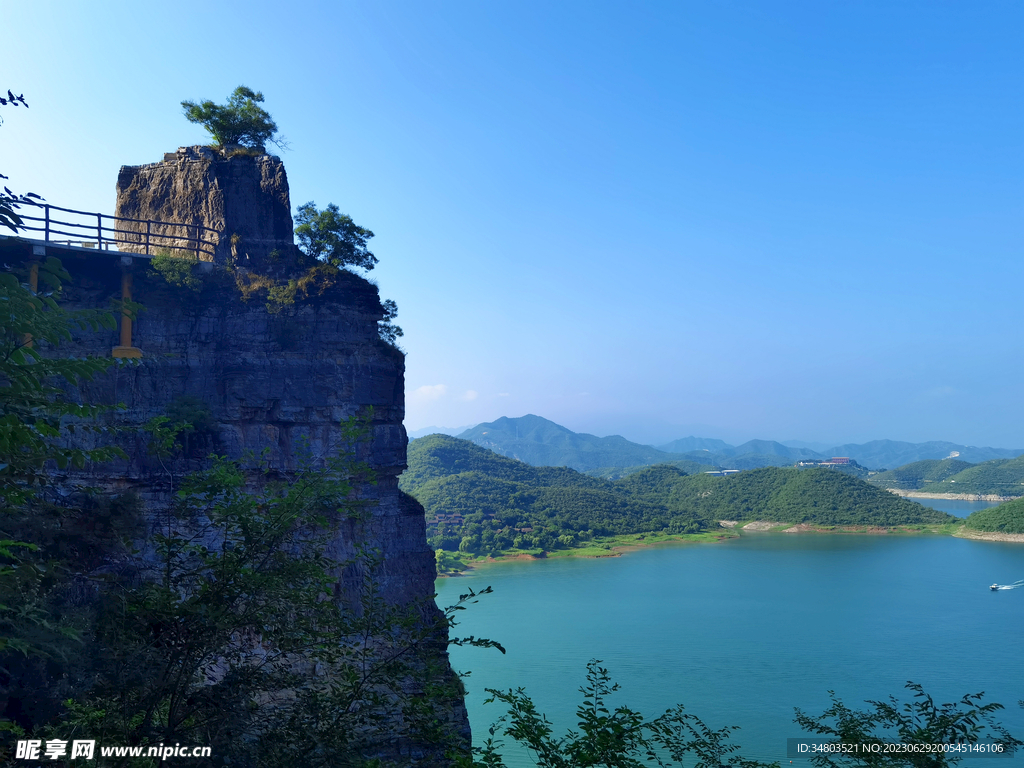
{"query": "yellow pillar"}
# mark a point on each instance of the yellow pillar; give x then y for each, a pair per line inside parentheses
(33, 284)
(125, 349)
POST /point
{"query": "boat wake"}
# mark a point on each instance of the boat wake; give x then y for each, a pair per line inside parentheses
(1000, 587)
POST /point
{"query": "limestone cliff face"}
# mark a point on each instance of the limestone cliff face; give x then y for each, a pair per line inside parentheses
(243, 199)
(281, 381)
(274, 381)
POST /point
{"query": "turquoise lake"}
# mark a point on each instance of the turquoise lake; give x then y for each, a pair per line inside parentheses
(743, 631)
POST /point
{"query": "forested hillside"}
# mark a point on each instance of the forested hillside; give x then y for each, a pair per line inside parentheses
(1006, 518)
(479, 502)
(821, 496)
(1000, 477)
(919, 473)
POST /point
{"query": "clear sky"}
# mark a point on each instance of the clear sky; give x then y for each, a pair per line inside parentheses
(782, 220)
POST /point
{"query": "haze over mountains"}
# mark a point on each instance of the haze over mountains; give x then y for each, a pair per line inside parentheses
(540, 442)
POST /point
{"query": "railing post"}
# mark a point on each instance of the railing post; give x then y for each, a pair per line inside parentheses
(148, 222)
(99, 231)
(47, 226)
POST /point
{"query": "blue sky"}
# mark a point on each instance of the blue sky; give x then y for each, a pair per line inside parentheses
(746, 219)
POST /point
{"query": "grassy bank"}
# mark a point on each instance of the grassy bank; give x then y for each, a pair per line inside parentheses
(604, 546)
(614, 546)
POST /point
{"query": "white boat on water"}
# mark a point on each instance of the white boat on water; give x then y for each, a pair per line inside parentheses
(994, 587)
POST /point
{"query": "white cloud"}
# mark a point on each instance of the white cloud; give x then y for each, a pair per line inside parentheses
(428, 392)
(503, 394)
(470, 395)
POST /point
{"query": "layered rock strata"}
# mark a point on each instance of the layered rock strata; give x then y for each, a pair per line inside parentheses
(281, 381)
(230, 210)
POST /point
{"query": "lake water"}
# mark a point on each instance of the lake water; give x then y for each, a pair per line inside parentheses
(955, 507)
(742, 631)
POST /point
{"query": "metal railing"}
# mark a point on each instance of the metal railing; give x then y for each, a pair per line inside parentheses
(126, 235)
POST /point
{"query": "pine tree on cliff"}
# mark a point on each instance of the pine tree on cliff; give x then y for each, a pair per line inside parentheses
(242, 121)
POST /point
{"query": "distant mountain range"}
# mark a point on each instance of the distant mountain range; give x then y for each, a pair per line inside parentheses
(451, 431)
(690, 444)
(540, 442)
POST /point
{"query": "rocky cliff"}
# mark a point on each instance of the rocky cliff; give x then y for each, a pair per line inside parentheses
(239, 205)
(280, 380)
(270, 381)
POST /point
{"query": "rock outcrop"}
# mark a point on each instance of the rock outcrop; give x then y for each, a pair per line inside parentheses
(235, 209)
(282, 381)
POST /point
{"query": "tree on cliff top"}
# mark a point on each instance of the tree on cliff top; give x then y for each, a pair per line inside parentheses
(241, 121)
(331, 236)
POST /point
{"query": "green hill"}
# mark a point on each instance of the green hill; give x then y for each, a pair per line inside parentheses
(820, 496)
(913, 476)
(1000, 477)
(1006, 518)
(479, 502)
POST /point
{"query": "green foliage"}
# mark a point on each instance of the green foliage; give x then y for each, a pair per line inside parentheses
(237, 637)
(446, 562)
(241, 121)
(11, 201)
(786, 494)
(388, 331)
(1006, 518)
(624, 738)
(920, 473)
(505, 504)
(177, 270)
(35, 412)
(12, 101)
(479, 502)
(192, 411)
(42, 618)
(41, 428)
(332, 237)
(999, 477)
(188, 427)
(920, 721)
(286, 292)
(619, 738)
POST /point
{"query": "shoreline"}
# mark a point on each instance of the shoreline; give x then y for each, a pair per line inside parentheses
(614, 547)
(730, 529)
(950, 496)
(965, 533)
